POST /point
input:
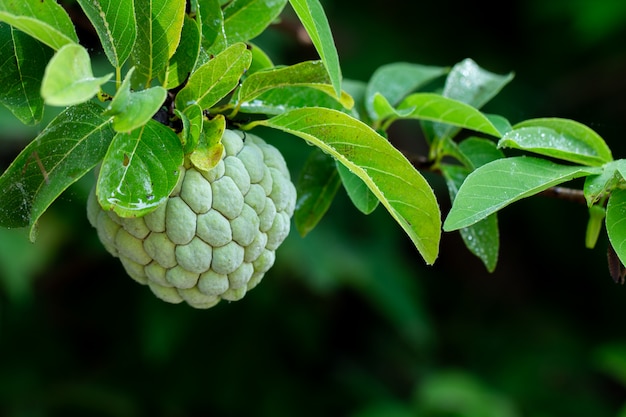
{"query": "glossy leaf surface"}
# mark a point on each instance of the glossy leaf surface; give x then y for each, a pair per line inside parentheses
(140, 170)
(361, 196)
(316, 188)
(437, 108)
(68, 78)
(72, 144)
(184, 59)
(24, 61)
(389, 175)
(504, 181)
(45, 21)
(559, 138)
(115, 23)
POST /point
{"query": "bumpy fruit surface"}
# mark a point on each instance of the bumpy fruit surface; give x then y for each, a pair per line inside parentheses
(216, 235)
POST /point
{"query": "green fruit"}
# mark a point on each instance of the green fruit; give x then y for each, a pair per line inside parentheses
(216, 235)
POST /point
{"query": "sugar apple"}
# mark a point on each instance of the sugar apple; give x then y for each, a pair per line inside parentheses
(216, 235)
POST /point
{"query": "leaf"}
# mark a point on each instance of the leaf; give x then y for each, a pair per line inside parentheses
(479, 151)
(316, 189)
(402, 190)
(211, 18)
(360, 195)
(313, 18)
(184, 59)
(279, 100)
(24, 61)
(196, 122)
(71, 145)
(140, 170)
(114, 22)
(215, 79)
(616, 222)
(159, 24)
(239, 21)
(499, 183)
(482, 238)
(437, 108)
(469, 83)
(45, 21)
(260, 60)
(559, 138)
(395, 81)
(309, 72)
(131, 110)
(68, 78)
(209, 150)
(598, 186)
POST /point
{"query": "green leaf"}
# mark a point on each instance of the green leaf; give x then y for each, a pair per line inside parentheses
(360, 195)
(559, 138)
(71, 145)
(469, 83)
(260, 60)
(209, 150)
(241, 20)
(616, 223)
(196, 121)
(437, 108)
(313, 18)
(598, 186)
(279, 100)
(594, 225)
(140, 170)
(131, 110)
(68, 78)
(114, 22)
(24, 61)
(316, 188)
(211, 18)
(159, 24)
(309, 72)
(482, 238)
(215, 79)
(402, 190)
(45, 21)
(479, 151)
(395, 81)
(499, 183)
(184, 59)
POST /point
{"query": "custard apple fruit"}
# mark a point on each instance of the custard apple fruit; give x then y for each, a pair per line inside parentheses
(216, 235)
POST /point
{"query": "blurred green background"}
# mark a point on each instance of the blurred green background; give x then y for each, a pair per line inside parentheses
(350, 322)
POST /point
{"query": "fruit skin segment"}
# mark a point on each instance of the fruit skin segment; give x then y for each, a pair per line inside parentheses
(215, 237)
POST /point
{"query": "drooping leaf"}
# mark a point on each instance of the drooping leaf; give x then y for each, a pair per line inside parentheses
(159, 24)
(499, 183)
(23, 62)
(131, 110)
(139, 170)
(616, 223)
(115, 24)
(316, 188)
(184, 59)
(240, 21)
(215, 79)
(68, 78)
(401, 189)
(209, 150)
(482, 238)
(397, 80)
(71, 145)
(598, 186)
(437, 108)
(559, 138)
(313, 18)
(594, 225)
(361, 196)
(45, 21)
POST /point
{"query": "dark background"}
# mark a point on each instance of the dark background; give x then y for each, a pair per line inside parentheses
(350, 322)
